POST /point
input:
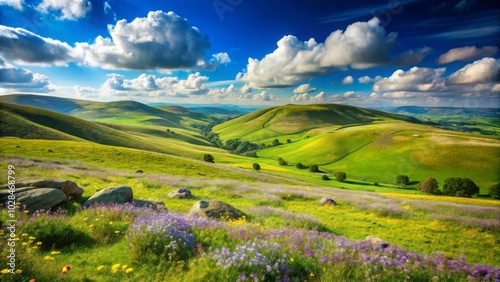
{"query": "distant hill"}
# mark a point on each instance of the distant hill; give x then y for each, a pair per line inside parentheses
(444, 111)
(129, 112)
(293, 119)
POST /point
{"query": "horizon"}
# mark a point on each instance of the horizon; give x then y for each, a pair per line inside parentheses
(255, 54)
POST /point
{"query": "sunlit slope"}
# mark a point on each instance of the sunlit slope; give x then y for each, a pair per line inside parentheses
(380, 152)
(293, 119)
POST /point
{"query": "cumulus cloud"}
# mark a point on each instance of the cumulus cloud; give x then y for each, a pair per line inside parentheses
(361, 45)
(348, 80)
(305, 97)
(25, 47)
(481, 71)
(159, 41)
(12, 77)
(366, 79)
(157, 86)
(68, 9)
(16, 4)
(466, 54)
(304, 88)
(221, 58)
(245, 89)
(415, 79)
(263, 96)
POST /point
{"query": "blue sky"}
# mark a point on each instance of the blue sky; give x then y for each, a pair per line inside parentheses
(365, 53)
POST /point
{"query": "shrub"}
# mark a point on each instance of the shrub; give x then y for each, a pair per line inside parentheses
(314, 168)
(375, 184)
(325, 177)
(300, 166)
(402, 180)
(276, 142)
(282, 162)
(256, 166)
(208, 158)
(429, 186)
(495, 191)
(340, 176)
(288, 141)
(460, 187)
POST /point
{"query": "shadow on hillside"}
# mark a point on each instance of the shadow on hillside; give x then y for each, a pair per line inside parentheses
(358, 183)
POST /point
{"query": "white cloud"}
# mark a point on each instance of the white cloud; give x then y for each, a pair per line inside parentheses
(361, 45)
(69, 9)
(348, 80)
(151, 85)
(159, 41)
(12, 77)
(16, 4)
(466, 54)
(481, 71)
(263, 96)
(25, 47)
(305, 97)
(366, 79)
(415, 79)
(220, 58)
(108, 9)
(246, 89)
(304, 88)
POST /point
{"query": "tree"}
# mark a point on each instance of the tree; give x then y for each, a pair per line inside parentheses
(282, 162)
(340, 176)
(460, 187)
(495, 191)
(314, 168)
(288, 141)
(402, 180)
(256, 166)
(208, 158)
(276, 142)
(325, 177)
(429, 186)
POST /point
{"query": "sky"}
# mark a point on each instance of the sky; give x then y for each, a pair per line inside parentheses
(364, 53)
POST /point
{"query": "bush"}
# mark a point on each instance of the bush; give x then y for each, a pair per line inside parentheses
(208, 158)
(276, 142)
(282, 162)
(340, 176)
(375, 184)
(288, 141)
(495, 191)
(314, 168)
(256, 166)
(460, 187)
(402, 180)
(300, 166)
(429, 186)
(325, 177)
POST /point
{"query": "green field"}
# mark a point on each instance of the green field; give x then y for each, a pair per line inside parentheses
(102, 144)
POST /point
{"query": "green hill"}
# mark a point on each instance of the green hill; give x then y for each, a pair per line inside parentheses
(294, 119)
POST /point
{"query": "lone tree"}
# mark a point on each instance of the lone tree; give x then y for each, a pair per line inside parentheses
(495, 191)
(282, 162)
(276, 142)
(325, 177)
(314, 168)
(300, 166)
(288, 141)
(256, 166)
(460, 187)
(208, 158)
(429, 186)
(340, 176)
(402, 180)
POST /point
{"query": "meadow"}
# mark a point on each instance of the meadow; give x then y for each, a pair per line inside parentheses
(286, 235)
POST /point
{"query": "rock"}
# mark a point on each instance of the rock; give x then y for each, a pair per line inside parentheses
(327, 201)
(40, 198)
(70, 188)
(180, 194)
(377, 241)
(215, 209)
(153, 204)
(111, 195)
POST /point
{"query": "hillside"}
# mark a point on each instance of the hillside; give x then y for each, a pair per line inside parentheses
(129, 112)
(294, 119)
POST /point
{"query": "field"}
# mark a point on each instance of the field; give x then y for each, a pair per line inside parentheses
(286, 235)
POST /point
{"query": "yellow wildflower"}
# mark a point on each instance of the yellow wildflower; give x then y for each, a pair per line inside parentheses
(115, 266)
(24, 244)
(31, 238)
(24, 234)
(19, 271)
(48, 258)
(35, 247)
(117, 232)
(100, 267)
(291, 259)
(2, 232)
(110, 223)
(97, 219)
(5, 271)
(129, 270)
(124, 267)
(55, 253)
(312, 274)
(85, 219)
(38, 243)
(91, 226)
